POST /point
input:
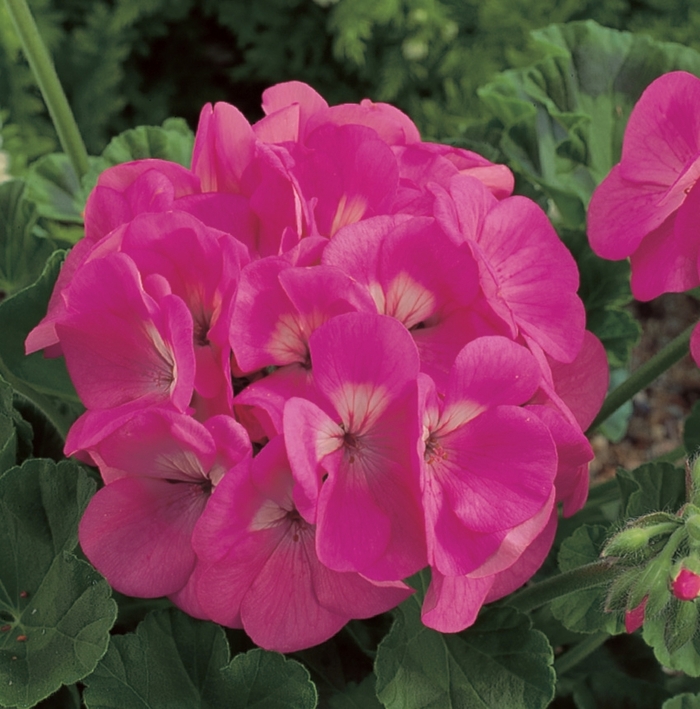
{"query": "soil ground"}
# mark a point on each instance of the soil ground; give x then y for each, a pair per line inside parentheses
(656, 426)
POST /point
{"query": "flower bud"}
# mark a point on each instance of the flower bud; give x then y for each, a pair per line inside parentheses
(635, 616)
(637, 537)
(686, 584)
(625, 542)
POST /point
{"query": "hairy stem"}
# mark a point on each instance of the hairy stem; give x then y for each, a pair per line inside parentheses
(594, 574)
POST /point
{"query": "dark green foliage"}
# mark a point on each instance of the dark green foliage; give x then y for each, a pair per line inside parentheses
(131, 62)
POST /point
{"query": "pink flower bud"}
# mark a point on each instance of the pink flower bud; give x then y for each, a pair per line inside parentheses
(686, 585)
(635, 617)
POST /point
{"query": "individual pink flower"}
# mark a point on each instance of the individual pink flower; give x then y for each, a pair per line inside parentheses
(488, 465)
(527, 274)
(645, 208)
(159, 467)
(277, 308)
(357, 469)
(293, 110)
(258, 567)
(686, 584)
(230, 160)
(132, 188)
(417, 275)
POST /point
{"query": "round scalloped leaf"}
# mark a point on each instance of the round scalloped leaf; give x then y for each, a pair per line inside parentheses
(55, 610)
(499, 662)
(174, 661)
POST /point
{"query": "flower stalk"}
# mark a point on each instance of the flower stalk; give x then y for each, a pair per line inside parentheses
(591, 575)
(49, 84)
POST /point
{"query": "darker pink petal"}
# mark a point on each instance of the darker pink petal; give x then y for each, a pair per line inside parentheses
(136, 532)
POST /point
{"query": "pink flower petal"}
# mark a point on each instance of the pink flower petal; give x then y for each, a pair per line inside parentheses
(119, 345)
(136, 532)
(452, 603)
(224, 146)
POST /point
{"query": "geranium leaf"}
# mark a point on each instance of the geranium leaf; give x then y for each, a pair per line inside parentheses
(582, 611)
(564, 116)
(173, 660)
(55, 189)
(357, 696)
(8, 434)
(22, 252)
(55, 610)
(172, 141)
(660, 632)
(652, 487)
(259, 679)
(499, 662)
(45, 382)
(683, 701)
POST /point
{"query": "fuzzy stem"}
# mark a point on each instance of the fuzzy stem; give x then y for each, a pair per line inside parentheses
(673, 352)
(594, 574)
(49, 84)
(579, 652)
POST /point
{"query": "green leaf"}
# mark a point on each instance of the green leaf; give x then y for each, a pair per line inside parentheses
(56, 610)
(620, 675)
(55, 189)
(583, 611)
(618, 331)
(357, 696)
(691, 430)
(172, 141)
(683, 701)
(45, 382)
(652, 487)
(175, 661)
(22, 253)
(658, 633)
(565, 115)
(267, 680)
(499, 662)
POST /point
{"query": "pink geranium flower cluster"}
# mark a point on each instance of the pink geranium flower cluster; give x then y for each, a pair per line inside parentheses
(646, 208)
(327, 356)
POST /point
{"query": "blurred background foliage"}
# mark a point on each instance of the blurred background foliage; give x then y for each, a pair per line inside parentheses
(130, 62)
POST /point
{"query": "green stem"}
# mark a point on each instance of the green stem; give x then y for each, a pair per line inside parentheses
(579, 652)
(594, 574)
(49, 84)
(643, 376)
